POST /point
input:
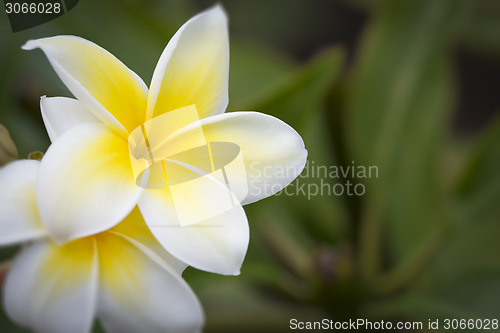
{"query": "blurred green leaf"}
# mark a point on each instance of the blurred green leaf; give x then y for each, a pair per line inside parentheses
(299, 100)
(469, 251)
(478, 192)
(480, 31)
(396, 110)
(462, 281)
(474, 297)
(301, 95)
(219, 300)
(253, 71)
(463, 278)
(16, 113)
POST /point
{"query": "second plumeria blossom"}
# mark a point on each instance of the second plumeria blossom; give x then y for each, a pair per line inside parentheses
(169, 149)
(122, 276)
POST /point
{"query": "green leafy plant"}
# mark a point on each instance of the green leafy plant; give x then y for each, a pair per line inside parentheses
(421, 243)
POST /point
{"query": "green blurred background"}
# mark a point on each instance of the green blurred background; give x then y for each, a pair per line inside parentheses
(410, 86)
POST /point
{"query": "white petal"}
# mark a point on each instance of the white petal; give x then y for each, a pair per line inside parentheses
(52, 289)
(141, 293)
(137, 232)
(272, 151)
(19, 217)
(59, 114)
(217, 245)
(85, 183)
(115, 94)
(194, 67)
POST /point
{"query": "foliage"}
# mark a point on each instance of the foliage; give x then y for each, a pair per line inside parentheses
(420, 243)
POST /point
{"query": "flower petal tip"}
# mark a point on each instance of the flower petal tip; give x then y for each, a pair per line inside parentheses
(216, 10)
(29, 45)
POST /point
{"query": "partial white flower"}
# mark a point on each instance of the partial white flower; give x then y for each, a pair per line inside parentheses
(88, 182)
(122, 276)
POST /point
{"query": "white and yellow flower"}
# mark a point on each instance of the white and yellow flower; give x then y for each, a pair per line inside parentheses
(87, 182)
(122, 276)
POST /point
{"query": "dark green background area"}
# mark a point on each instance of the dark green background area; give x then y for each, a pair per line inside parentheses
(411, 86)
(28, 14)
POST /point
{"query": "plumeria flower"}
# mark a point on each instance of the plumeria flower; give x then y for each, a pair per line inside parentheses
(87, 173)
(123, 275)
